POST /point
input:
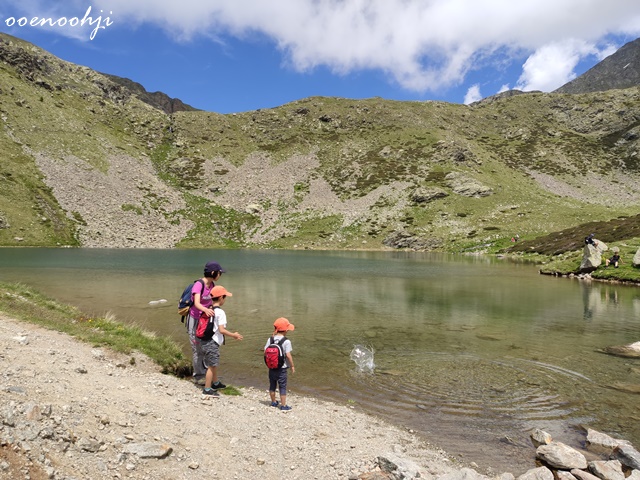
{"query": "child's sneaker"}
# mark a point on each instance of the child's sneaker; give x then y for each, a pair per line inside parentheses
(275, 404)
(285, 408)
(210, 391)
(218, 385)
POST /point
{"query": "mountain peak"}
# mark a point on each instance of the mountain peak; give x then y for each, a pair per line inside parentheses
(618, 71)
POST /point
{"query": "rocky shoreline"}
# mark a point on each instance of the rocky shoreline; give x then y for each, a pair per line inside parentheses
(71, 411)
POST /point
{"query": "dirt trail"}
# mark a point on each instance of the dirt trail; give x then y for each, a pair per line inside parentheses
(72, 411)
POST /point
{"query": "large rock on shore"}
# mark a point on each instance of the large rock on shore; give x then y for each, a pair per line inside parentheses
(592, 256)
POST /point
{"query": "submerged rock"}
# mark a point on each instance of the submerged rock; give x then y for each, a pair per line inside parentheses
(631, 351)
(625, 387)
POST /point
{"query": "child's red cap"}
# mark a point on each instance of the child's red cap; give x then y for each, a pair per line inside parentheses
(283, 325)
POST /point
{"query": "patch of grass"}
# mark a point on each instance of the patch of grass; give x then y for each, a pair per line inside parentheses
(312, 232)
(24, 303)
(231, 391)
(127, 207)
(216, 226)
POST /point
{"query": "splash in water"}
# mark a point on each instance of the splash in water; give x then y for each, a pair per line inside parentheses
(363, 357)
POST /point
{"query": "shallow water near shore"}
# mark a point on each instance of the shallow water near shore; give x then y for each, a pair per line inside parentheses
(473, 352)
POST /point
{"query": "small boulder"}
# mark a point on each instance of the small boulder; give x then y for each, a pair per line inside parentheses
(627, 455)
(148, 450)
(611, 470)
(583, 475)
(540, 473)
(599, 442)
(539, 437)
(559, 455)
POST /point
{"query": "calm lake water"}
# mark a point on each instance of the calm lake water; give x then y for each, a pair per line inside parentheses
(473, 352)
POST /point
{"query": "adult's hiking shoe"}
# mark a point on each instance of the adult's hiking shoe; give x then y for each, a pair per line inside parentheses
(210, 391)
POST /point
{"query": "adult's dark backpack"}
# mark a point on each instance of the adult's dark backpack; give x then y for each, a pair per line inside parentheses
(186, 300)
(274, 353)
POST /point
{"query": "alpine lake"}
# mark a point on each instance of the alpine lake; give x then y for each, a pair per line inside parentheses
(473, 352)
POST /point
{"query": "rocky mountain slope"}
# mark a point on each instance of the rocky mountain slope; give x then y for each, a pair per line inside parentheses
(618, 71)
(86, 162)
(158, 100)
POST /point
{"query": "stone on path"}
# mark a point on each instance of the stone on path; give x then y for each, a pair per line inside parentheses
(148, 450)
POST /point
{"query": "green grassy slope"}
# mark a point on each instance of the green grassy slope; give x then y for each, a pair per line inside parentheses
(526, 164)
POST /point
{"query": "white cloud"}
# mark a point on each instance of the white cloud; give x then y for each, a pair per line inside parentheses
(423, 45)
(551, 66)
(473, 94)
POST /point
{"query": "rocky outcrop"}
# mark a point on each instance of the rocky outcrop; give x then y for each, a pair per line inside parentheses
(158, 100)
(404, 239)
(592, 255)
(426, 195)
(467, 186)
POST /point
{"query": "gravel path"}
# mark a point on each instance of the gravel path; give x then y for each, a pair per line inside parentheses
(72, 411)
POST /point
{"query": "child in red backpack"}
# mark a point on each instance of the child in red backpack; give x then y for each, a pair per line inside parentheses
(211, 347)
(278, 376)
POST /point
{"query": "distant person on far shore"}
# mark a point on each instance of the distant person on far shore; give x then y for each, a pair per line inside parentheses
(590, 239)
(614, 260)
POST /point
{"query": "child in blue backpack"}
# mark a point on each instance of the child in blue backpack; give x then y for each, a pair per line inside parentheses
(278, 376)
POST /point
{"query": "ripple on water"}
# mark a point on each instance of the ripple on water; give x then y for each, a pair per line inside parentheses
(468, 386)
(472, 405)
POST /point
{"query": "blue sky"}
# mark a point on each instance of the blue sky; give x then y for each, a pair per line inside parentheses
(237, 55)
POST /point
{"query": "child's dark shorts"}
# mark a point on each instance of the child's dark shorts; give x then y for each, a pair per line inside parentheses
(278, 376)
(210, 353)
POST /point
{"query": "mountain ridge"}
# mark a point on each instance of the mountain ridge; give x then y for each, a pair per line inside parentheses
(85, 161)
(619, 70)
